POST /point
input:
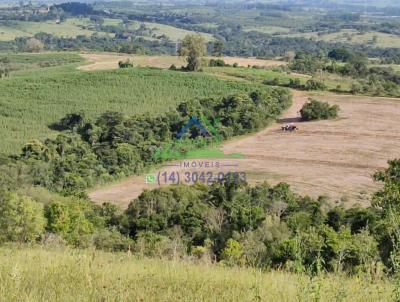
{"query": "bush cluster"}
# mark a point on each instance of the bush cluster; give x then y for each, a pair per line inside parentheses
(316, 110)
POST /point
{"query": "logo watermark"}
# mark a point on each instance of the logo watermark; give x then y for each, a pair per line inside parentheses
(206, 145)
(198, 157)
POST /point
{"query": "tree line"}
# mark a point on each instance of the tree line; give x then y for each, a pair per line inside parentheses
(375, 80)
(115, 145)
(230, 222)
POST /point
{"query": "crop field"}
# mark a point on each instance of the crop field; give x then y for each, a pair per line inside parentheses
(70, 28)
(29, 61)
(259, 75)
(31, 100)
(256, 75)
(105, 61)
(335, 158)
(158, 150)
(173, 33)
(37, 274)
(102, 61)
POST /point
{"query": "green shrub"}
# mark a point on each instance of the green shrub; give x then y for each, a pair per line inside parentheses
(316, 110)
(233, 253)
(71, 220)
(217, 63)
(112, 241)
(21, 218)
(315, 85)
(125, 64)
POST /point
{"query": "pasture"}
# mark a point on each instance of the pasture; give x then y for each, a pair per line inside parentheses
(332, 81)
(70, 28)
(29, 61)
(73, 27)
(173, 33)
(31, 100)
(46, 274)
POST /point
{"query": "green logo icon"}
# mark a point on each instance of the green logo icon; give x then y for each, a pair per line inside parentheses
(207, 145)
(151, 179)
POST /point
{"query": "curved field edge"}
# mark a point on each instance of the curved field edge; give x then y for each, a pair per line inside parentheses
(335, 158)
(33, 99)
(105, 61)
(62, 274)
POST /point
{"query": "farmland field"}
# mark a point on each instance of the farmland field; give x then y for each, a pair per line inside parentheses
(30, 101)
(70, 28)
(187, 150)
(333, 158)
(73, 27)
(173, 33)
(353, 37)
(104, 61)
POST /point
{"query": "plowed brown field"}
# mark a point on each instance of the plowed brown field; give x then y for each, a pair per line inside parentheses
(334, 158)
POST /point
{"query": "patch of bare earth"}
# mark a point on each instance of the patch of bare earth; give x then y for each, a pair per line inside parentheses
(107, 61)
(252, 62)
(335, 158)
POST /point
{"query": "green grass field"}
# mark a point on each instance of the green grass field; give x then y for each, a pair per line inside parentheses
(173, 33)
(70, 28)
(32, 99)
(36, 58)
(269, 29)
(259, 75)
(61, 274)
(8, 33)
(255, 75)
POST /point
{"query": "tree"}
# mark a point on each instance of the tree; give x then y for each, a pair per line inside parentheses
(21, 218)
(388, 198)
(233, 253)
(33, 45)
(125, 64)
(315, 85)
(193, 47)
(218, 48)
(316, 110)
(356, 66)
(69, 220)
(340, 54)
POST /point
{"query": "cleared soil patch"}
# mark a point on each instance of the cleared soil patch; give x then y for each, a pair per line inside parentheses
(105, 61)
(334, 158)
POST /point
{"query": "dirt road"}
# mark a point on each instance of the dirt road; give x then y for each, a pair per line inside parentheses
(334, 158)
(107, 61)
